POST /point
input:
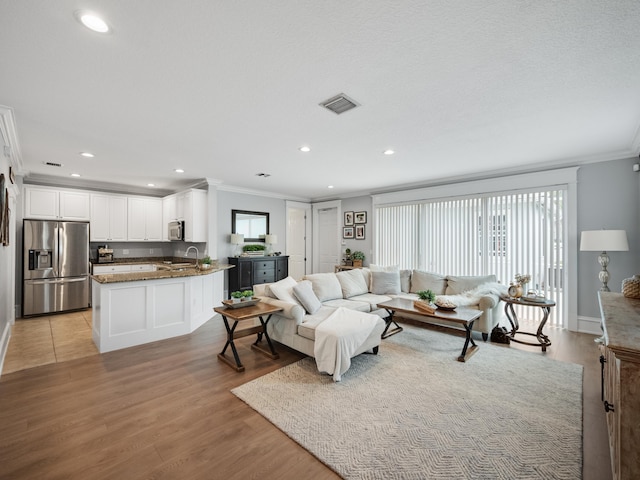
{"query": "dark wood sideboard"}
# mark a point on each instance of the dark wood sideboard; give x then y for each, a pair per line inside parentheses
(621, 381)
(251, 271)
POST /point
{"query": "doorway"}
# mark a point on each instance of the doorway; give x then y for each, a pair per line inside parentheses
(326, 238)
(298, 238)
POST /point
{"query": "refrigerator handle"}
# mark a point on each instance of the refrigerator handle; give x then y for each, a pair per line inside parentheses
(57, 250)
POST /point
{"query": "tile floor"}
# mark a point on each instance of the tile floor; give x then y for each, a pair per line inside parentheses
(49, 339)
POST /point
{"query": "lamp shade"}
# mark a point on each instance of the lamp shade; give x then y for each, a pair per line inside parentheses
(237, 238)
(271, 239)
(604, 241)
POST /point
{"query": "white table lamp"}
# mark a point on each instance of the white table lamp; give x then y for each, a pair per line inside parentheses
(270, 239)
(604, 241)
(237, 239)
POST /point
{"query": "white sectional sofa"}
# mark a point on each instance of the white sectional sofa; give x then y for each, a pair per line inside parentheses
(361, 290)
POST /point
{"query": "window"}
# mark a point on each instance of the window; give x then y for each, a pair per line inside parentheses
(501, 234)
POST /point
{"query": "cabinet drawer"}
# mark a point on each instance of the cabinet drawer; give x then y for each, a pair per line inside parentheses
(102, 269)
(264, 275)
(143, 268)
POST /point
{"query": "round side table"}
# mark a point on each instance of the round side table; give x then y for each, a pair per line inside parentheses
(544, 304)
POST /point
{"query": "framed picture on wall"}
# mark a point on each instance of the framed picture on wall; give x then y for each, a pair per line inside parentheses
(347, 232)
(360, 217)
(348, 218)
(359, 232)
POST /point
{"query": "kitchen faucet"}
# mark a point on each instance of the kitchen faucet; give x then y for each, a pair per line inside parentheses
(197, 254)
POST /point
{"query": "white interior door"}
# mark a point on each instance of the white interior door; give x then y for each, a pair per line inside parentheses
(326, 245)
(298, 238)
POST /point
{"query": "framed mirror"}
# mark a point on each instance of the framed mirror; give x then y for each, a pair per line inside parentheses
(253, 225)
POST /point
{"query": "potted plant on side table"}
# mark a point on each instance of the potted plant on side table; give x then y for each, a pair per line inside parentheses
(358, 258)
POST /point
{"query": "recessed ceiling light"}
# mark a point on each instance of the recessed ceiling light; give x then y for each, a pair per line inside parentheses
(179, 170)
(87, 154)
(75, 174)
(305, 149)
(151, 184)
(389, 152)
(330, 186)
(92, 22)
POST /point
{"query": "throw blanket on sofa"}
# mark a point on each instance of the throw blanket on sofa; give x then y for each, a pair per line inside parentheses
(472, 297)
(338, 338)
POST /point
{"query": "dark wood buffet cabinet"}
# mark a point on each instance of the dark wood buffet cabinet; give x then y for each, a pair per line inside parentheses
(621, 381)
(250, 271)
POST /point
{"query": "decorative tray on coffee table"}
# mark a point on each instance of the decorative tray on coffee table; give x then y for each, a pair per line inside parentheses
(244, 303)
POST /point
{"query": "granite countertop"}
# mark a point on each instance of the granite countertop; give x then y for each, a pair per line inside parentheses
(155, 275)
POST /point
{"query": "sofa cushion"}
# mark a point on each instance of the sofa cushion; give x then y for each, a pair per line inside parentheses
(366, 273)
(349, 304)
(385, 283)
(457, 285)
(352, 283)
(405, 280)
(307, 328)
(421, 280)
(372, 299)
(325, 285)
(303, 291)
(384, 268)
(283, 290)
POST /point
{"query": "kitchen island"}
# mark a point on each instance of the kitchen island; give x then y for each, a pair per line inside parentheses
(139, 307)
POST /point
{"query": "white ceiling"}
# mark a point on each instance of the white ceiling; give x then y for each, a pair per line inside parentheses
(229, 89)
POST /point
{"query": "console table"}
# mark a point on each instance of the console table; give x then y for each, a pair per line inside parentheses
(621, 381)
(252, 271)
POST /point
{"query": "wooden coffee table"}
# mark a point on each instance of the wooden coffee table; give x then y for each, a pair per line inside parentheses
(259, 310)
(461, 315)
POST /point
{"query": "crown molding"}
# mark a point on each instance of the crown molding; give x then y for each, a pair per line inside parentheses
(261, 193)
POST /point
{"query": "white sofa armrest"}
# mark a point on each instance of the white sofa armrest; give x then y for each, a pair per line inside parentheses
(289, 310)
(488, 301)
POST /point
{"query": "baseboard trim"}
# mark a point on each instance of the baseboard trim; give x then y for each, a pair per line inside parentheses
(589, 325)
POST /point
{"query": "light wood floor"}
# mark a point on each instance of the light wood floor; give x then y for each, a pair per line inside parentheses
(164, 410)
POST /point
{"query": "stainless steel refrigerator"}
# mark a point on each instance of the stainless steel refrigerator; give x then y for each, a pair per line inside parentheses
(56, 266)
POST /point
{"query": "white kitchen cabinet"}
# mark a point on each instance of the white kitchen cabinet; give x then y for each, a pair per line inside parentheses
(138, 267)
(106, 269)
(144, 219)
(189, 206)
(55, 204)
(194, 211)
(108, 218)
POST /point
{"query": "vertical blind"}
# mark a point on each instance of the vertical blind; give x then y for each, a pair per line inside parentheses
(501, 234)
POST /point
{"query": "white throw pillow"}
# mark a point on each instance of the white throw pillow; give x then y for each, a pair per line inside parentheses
(460, 284)
(303, 291)
(283, 290)
(384, 268)
(421, 280)
(325, 285)
(352, 283)
(385, 283)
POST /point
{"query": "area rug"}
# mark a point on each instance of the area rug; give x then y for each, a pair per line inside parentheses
(414, 412)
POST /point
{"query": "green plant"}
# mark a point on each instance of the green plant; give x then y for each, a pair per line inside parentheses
(357, 255)
(206, 260)
(426, 295)
(252, 248)
(237, 294)
(247, 294)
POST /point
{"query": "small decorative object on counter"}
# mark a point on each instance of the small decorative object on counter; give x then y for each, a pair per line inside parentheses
(631, 287)
(425, 304)
(445, 304)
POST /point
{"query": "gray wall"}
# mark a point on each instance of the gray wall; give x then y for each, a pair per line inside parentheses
(609, 198)
(359, 204)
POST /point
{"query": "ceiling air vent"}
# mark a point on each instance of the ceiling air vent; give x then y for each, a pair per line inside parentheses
(52, 164)
(339, 104)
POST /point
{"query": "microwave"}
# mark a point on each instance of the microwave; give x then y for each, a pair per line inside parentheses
(176, 230)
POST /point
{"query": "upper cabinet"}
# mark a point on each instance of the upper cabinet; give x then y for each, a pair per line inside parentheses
(108, 218)
(55, 204)
(144, 219)
(190, 207)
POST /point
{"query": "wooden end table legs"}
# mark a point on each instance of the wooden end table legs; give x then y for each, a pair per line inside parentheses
(232, 335)
(389, 320)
